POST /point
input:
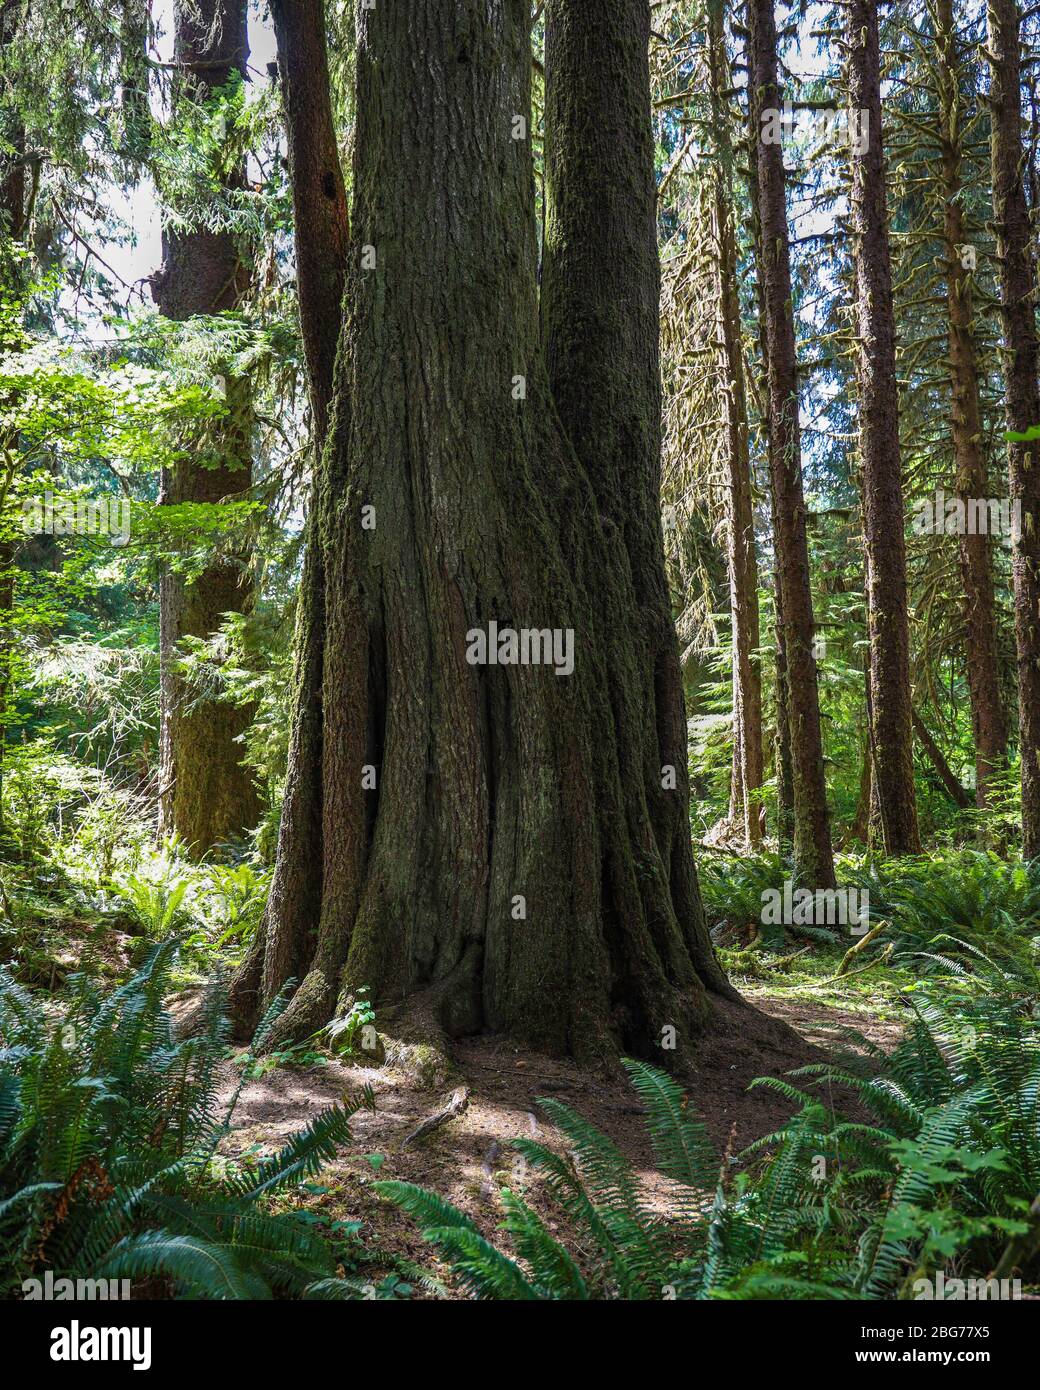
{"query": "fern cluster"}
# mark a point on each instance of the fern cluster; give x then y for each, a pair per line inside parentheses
(944, 1172)
(627, 1249)
(109, 1166)
(938, 1171)
(969, 898)
(965, 900)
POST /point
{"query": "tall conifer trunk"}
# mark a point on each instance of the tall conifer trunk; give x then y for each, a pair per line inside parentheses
(745, 807)
(782, 732)
(883, 514)
(1022, 395)
(321, 238)
(982, 660)
(814, 864)
(206, 795)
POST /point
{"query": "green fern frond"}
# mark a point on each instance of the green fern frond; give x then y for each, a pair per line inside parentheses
(681, 1146)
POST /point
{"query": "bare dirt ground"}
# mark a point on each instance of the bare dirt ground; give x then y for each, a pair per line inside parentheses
(467, 1159)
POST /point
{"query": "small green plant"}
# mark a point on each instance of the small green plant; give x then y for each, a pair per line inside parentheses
(343, 1033)
(295, 1055)
(105, 828)
(236, 895)
(157, 904)
(32, 794)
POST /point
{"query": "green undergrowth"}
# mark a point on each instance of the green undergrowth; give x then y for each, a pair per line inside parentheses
(113, 1162)
(85, 885)
(912, 1172)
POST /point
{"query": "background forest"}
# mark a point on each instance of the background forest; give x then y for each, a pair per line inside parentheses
(332, 332)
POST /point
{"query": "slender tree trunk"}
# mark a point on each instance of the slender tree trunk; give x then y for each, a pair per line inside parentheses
(746, 776)
(782, 733)
(782, 760)
(504, 846)
(935, 756)
(322, 236)
(814, 865)
(321, 223)
(982, 660)
(206, 794)
(12, 231)
(859, 829)
(1022, 396)
(883, 514)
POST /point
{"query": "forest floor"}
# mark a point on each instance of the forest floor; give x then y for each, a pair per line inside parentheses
(469, 1157)
(804, 1012)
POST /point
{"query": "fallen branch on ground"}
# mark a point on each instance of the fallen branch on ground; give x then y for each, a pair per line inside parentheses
(458, 1101)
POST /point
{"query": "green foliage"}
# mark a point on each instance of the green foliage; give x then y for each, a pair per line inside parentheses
(945, 1174)
(237, 895)
(110, 1129)
(293, 1055)
(342, 1033)
(936, 903)
(157, 904)
(939, 1175)
(953, 902)
(733, 888)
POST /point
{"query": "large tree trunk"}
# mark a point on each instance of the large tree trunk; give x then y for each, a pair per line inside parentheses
(883, 515)
(502, 844)
(1022, 396)
(982, 660)
(322, 239)
(813, 860)
(601, 318)
(745, 808)
(206, 794)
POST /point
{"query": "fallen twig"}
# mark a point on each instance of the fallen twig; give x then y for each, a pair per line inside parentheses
(458, 1101)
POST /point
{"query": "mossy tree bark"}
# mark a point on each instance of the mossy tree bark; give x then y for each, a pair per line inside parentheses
(321, 238)
(1017, 275)
(504, 847)
(884, 521)
(206, 795)
(982, 660)
(745, 801)
(813, 858)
